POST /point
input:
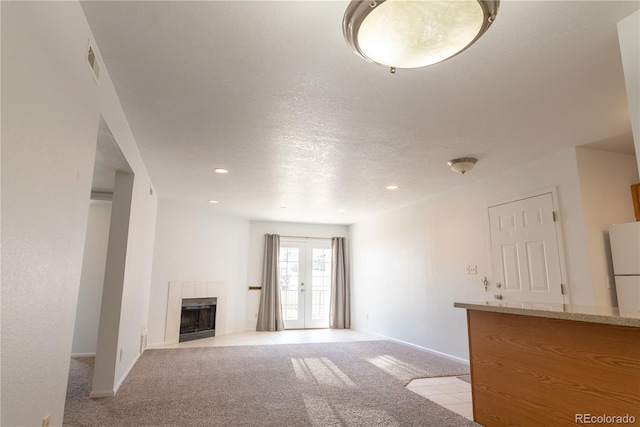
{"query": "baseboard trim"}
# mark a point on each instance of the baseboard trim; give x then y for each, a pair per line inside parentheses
(99, 394)
(430, 350)
(156, 345)
(126, 374)
(83, 355)
(419, 347)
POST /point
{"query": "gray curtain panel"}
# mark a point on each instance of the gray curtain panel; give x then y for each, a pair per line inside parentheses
(270, 311)
(340, 307)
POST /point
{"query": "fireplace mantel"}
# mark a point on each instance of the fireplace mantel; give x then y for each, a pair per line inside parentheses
(180, 290)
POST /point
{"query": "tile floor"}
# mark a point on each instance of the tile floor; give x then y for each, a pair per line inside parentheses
(292, 336)
(450, 392)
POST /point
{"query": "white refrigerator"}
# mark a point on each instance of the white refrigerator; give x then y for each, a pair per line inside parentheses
(625, 251)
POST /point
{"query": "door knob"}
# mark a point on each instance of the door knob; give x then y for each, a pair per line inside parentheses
(498, 296)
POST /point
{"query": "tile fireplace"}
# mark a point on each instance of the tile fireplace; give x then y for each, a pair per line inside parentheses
(200, 320)
(197, 319)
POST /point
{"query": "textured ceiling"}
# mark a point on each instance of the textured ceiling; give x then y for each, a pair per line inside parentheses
(270, 91)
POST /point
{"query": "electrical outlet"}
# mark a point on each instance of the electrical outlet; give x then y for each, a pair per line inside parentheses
(473, 269)
(45, 421)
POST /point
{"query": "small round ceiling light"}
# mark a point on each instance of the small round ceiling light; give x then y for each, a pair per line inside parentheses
(392, 187)
(213, 202)
(462, 165)
(221, 170)
(415, 33)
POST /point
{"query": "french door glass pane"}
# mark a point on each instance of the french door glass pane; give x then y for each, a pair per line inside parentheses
(320, 283)
(289, 282)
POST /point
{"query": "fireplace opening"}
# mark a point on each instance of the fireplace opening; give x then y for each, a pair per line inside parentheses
(198, 319)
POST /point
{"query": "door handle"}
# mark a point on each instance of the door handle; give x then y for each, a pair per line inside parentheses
(498, 296)
(301, 290)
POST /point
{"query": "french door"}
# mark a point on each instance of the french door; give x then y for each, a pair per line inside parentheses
(305, 283)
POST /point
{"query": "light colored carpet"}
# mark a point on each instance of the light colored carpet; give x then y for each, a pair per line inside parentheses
(329, 384)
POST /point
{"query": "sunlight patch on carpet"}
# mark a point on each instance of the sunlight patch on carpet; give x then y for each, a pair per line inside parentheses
(322, 370)
(353, 415)
(399, 369)
(320, 412)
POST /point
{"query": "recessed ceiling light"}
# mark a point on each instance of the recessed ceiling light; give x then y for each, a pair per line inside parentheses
(221, 170)
(213, 202)
(392, 187)
(341, 210)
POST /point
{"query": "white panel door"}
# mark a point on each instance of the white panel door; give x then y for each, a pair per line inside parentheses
(524, 249)
(305, 283)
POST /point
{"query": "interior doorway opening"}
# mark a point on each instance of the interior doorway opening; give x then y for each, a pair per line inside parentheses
(104, 257)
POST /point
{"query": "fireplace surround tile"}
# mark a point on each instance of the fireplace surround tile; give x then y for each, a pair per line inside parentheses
(178, 290)
(189, 290)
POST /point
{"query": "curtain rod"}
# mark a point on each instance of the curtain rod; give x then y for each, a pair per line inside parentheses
(306, 237)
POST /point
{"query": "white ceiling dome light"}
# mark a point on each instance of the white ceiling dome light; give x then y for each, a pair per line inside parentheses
(415, 33)
(462, 165)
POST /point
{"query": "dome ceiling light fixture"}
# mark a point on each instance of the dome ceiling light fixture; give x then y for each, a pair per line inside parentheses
(462, 165)
(415, 33)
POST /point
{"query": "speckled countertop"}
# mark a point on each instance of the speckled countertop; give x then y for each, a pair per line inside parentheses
(581, 313)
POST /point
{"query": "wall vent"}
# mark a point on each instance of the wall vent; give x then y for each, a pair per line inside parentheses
(92, 60)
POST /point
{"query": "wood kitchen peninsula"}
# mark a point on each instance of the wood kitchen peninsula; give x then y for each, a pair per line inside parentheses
(553, 365)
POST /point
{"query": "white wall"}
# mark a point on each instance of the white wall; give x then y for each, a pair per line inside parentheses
(51, 107)
(628, 31)
(85, 333)
(194, 243)
(256, 254)
(49, 129)
(409, 265)
(605, 178)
